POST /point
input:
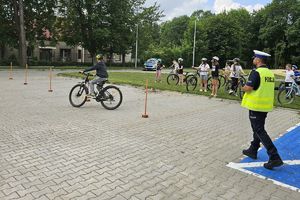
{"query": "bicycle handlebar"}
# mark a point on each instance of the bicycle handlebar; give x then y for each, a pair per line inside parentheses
(87, 74)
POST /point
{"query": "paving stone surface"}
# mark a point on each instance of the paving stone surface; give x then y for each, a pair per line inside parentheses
(50, 150)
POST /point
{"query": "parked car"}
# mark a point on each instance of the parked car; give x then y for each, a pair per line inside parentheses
(150, 64)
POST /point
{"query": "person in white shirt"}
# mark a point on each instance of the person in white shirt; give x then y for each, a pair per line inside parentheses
(175, 66)
(235, 74)
(289, 75)
(227, 70)
(203, 70)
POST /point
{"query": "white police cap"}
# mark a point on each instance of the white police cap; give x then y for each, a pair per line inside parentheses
(204, 59)
(261, 54)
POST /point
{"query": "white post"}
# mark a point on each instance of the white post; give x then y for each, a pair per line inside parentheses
(136, 45)
(194, 48)
(82, 58)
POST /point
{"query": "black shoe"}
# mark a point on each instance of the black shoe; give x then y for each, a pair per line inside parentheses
(250, 153)
(273, 163)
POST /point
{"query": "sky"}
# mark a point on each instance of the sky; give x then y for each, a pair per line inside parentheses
(175, 8)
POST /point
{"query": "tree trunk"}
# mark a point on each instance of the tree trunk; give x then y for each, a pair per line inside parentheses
(19, 19)
(123, 59)
(2, 51)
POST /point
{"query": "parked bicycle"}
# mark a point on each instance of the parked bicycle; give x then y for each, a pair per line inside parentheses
(110, 96)
(241, 81)
(173, 77)
(287, 95)
(192, 80)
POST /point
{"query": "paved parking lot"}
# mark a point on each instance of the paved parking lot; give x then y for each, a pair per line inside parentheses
(50, 150)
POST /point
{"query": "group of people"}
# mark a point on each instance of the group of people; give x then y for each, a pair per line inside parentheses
(233, 70)
(204, 70)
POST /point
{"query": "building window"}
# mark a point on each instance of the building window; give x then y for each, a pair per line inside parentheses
(79, 54)
(46, 55)
(118, 57)
(65, 55)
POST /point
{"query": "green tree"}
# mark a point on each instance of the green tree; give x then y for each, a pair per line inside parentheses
(106, 26)
(278, 30)
(172, 32)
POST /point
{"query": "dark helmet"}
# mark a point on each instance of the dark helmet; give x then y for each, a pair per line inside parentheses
(295, 67)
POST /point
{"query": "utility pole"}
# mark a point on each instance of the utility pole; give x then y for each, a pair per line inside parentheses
(19, 19)
(194, 48)
(136, 45)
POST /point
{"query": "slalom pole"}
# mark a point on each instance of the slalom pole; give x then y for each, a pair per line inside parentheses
(26, 74)
(50, 78)
(145, 115)
(10, 72)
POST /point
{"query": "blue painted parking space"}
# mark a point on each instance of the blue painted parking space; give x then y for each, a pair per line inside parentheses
(289, 174)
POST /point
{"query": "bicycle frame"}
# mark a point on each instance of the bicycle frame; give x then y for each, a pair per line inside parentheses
(294, 87)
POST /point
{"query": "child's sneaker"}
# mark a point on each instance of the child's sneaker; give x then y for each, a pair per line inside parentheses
(201, 90)
(205, 90)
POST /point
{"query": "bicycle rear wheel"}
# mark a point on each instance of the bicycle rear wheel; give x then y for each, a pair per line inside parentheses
(209, 83)
(173, 79)
(77, 95)
(111, 97)
(285, 97)
(191, 83)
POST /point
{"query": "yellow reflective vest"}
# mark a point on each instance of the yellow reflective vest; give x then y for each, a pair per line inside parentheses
(261, 99)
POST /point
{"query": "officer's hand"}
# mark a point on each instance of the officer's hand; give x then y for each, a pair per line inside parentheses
(80, 72)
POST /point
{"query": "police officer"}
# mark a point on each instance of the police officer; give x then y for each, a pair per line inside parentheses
(258, 99)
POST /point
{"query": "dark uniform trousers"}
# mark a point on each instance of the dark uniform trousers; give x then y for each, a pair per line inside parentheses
(257, 120)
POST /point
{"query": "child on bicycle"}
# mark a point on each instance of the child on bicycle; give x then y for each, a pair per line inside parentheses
(159, 67)
(203, 70)
(289, 76)
(101, 74)
(236, 71)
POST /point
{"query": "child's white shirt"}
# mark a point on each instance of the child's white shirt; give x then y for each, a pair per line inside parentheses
(289, 76)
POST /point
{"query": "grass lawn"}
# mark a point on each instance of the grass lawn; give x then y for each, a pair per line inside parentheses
(139, 79)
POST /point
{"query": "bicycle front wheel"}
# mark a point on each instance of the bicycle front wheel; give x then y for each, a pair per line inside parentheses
(286, 96)
(173, 79)
(222, 80)
(228, 86)
(111, 97)
(77, 95)
(241, 92)
(191, 83)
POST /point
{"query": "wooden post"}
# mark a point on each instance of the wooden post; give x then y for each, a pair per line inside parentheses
(50, 77)
(26, 74)
(10, 73)
(145, 115)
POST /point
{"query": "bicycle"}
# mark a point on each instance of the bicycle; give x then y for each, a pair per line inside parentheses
(287, 95)
(173, 77)
(242, 80)
(110, 96)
